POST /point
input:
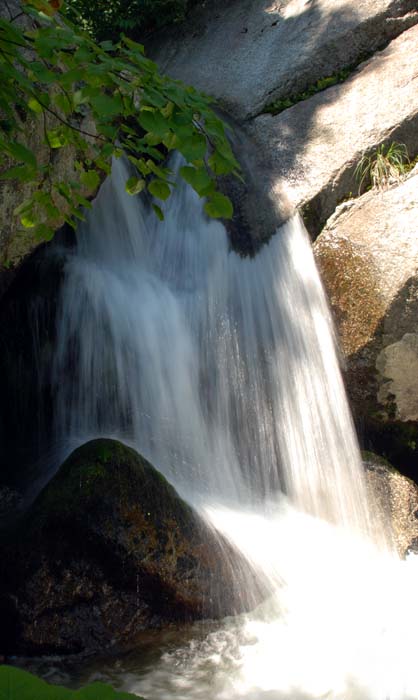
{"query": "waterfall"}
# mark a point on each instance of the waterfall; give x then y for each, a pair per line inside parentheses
(223, 372)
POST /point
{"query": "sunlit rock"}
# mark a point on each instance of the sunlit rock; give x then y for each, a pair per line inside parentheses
(368, 256)
(316, 145)
(274, 49)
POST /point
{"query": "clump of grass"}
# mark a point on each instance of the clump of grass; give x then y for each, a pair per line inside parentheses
(384, 166)
(411, 164)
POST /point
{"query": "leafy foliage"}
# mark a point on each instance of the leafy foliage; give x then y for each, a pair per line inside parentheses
(20, 685)
(106, 20)
(100, 101)
(382, 167)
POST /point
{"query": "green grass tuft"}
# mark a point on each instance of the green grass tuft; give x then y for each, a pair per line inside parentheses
(384, 166)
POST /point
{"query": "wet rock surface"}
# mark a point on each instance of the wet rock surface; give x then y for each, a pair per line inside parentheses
(396, 497)
(108, 550)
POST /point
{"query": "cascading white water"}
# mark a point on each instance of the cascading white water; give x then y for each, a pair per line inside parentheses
(222, 371)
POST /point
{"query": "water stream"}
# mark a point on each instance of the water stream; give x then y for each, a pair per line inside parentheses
(223, 372)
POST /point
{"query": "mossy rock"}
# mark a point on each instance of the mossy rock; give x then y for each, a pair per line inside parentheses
(370, 460)
(107, 550)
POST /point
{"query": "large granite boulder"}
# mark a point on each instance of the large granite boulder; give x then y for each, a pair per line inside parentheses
(315, 146)
(368, 257)
(107, 550)
(274, 49)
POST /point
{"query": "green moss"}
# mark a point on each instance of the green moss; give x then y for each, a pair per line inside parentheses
(97, 477)
(372, 458)
(321, 84)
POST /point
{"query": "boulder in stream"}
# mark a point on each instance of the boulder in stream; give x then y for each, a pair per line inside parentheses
(107, 550)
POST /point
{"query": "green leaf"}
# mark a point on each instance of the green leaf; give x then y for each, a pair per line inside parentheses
(23, 173)
(161, 173)
(219, 207)
(224, 149)
(219, 164)
(44, 232)
(107, 45)
(152, 139)
(110, 78)
(158, 211)
(171, 141)
(193, 148)
(21, 153)
(42, 73)
(94, 692)
(198, 178)
(142, 166)
(57, 138)
(11, 32)
(79, 98)
(63, 103)
(133, 45)
(134, 185)
(160, 189)
(16, 684)
(34, 105)
(28, 220)
(214, 127)
(90, 179)
(19, 685)
(106, 106)
(154, 98)
(154, 122)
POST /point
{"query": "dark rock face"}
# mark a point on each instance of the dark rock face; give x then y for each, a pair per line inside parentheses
(107, 550)
(28, 312)
(10, 501)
